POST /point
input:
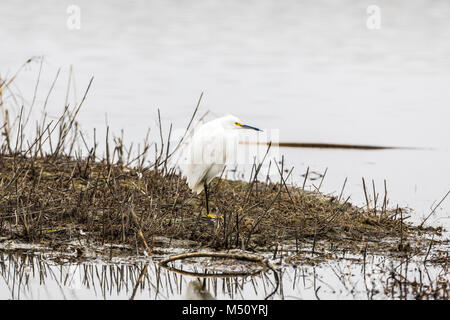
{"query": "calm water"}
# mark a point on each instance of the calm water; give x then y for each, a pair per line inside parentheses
(310, 69)
(30, 274)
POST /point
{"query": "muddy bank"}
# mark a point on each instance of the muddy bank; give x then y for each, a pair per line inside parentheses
(54, 199)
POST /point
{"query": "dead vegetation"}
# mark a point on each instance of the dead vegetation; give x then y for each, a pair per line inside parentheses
(58, 197)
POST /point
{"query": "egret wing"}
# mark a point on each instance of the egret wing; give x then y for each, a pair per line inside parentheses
(206, 155)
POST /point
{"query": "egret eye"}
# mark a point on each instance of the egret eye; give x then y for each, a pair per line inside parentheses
(238, 124)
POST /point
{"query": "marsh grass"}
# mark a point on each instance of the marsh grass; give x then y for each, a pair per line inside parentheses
(50, 192)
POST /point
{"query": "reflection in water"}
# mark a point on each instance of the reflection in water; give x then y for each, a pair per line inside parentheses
(30, 276)
(36, 276)
(196, 290)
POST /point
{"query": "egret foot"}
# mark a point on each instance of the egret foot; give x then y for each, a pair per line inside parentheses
(214, 216)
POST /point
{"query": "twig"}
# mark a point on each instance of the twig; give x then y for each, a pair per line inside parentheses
(421, 225)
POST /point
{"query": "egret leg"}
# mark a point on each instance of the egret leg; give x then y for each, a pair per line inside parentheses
(206, 197)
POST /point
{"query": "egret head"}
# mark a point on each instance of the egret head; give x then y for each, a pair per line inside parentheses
(232, 122)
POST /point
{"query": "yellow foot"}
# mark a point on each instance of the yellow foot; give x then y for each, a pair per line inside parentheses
(214, 216)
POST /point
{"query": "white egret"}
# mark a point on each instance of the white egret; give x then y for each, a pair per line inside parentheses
(211, 147)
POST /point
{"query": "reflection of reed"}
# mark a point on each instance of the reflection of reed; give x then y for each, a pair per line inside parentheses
(25, 276)
(28, 276)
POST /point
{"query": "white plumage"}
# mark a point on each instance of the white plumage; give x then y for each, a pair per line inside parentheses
(212, 146)
(208, 151)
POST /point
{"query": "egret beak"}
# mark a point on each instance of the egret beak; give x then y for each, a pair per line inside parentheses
(244, 126)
